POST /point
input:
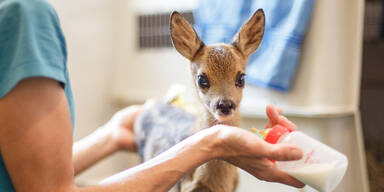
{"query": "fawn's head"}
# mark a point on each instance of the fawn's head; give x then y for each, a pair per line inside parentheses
(218, 70)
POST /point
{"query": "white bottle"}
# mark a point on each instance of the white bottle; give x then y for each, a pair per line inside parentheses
(321, 167)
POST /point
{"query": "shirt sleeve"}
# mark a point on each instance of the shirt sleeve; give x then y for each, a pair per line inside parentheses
(31, 43)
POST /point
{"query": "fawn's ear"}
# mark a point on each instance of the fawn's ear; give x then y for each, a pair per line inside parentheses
(248, 39)
(184, 37)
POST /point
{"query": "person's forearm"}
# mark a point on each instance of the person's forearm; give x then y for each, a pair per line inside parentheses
(162, 172)
(91, 149)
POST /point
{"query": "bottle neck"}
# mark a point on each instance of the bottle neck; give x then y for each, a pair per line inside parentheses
(275, 134)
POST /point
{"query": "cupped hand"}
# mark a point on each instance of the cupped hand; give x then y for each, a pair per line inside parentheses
(252, 154)
(121, 127)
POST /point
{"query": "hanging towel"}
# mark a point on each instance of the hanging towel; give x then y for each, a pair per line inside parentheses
(274, 64)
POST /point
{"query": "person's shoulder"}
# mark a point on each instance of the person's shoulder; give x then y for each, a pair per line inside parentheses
(26, 6)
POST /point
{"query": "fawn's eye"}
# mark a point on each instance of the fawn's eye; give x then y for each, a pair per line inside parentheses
(203, 81)
(240, 80)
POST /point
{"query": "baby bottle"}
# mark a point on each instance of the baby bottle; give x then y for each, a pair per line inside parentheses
(321, 167)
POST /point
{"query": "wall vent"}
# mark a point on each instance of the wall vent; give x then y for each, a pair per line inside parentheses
(154, 29)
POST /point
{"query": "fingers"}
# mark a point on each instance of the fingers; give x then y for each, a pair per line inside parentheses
(136, 111)
(269, 124)
(279, 110)
(264, 169)
(131, 112)
(127, 116)
(133, 109)
(283, 121)
(282, 152)
(273, 115)
(276, 175)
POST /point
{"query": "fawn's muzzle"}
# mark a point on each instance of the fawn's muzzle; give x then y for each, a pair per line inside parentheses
(225, 106)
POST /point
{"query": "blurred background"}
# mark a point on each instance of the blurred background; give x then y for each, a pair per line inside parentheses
(119, 53)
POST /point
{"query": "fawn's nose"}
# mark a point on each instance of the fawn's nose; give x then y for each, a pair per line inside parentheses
(225, 106)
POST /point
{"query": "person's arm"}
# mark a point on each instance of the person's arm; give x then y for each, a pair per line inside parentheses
(92, 149)
(115, 135)
(118, 134)
(36, 145)
(235, 145)
(36, 136)
(163, 171)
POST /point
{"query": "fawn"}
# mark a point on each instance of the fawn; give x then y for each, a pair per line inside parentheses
(218, 72)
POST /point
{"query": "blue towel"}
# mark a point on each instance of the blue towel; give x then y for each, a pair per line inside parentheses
(274, 64)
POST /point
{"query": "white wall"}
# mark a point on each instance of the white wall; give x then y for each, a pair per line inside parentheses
(141, 74)
(90, 29)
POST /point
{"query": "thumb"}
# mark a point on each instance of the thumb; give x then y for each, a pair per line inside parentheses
(282, 152)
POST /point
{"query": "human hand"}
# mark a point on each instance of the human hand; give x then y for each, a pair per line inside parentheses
(275, 117)
(121, 127)
(252, 154)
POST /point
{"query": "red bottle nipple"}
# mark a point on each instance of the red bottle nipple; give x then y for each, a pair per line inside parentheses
(275, 133)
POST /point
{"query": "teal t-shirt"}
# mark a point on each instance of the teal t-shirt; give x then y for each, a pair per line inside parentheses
(31, 45)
